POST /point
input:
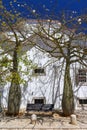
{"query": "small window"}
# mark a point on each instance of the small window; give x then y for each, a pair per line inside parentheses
(81, 76)
(39, 100)
(82, 101)
(39, 71)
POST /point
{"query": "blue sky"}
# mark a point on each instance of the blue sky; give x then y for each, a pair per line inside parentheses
(46, 7)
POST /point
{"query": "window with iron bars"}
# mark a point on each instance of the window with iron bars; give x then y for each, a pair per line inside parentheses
(82, 75)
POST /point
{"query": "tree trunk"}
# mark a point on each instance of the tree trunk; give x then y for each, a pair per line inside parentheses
(68, 98)
(14, 97)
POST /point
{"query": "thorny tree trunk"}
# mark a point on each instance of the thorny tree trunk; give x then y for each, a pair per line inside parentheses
(68, 98)
(14, 98)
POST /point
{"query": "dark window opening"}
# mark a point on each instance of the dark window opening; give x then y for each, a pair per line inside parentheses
(82, 101)
(39, 101)
(39, 70)
(81, 76)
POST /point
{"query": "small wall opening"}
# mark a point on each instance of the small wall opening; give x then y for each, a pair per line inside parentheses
(39, 72)
(82, 101)
(39, 100)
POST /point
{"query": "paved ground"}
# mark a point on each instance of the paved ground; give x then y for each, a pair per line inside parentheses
(44, 123)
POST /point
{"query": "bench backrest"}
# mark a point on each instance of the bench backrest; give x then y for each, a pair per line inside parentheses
(39, 107)
(47, 107)
(34, 107)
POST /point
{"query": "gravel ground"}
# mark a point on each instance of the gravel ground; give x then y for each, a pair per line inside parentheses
(24, 122)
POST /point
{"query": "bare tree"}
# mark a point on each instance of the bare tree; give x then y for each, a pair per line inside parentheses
(62, 42)
(55, 38)
(13, 41)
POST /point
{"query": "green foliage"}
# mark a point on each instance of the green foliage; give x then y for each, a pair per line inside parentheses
(5, 61)
(9, 23)
(24, 73)
(25, 68)
(5, 64)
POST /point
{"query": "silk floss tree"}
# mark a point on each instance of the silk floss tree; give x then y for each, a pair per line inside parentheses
(62, 42)
(14, 43)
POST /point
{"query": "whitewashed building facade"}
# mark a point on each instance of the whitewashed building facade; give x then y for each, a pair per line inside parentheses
(46, 83)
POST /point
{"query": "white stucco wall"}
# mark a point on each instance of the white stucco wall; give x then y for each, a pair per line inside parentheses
(48, 84)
